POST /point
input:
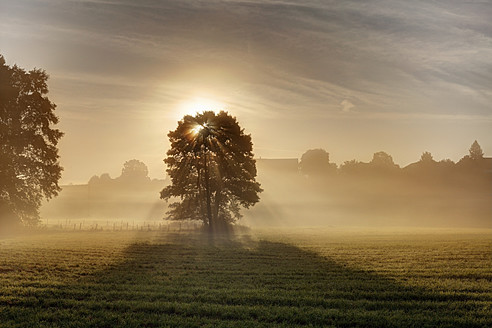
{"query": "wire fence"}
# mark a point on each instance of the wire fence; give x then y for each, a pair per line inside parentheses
(118, 225)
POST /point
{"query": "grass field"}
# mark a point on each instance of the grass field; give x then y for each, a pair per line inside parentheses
(284, 278)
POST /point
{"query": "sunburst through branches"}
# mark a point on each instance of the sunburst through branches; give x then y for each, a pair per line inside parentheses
(212, 170)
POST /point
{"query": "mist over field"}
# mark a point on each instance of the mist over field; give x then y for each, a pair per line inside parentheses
(415, 196)
(374, 200)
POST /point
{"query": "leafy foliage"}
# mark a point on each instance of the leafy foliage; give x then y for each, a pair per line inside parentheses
(427, 157)
(315, 162)
(212, 170)
(135, 170)
(475, 162)
(29, 167)
(383, 160)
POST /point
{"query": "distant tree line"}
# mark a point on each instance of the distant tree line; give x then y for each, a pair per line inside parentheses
(134, 173)
(315, 163)
(132, 195)
(428, 192)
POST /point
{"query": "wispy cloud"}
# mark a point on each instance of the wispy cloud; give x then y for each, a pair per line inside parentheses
(346, 105)
(392, 48)
(269, 60)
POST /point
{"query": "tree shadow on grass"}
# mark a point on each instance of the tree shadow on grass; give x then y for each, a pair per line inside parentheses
(188, 281)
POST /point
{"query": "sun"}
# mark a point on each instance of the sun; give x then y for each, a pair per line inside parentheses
(199, 105)
(196, 130)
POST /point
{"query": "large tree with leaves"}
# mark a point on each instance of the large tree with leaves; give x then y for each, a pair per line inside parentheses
(212, 170)
(29, 166)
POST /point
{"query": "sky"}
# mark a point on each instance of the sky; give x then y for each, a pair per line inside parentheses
(351, 77)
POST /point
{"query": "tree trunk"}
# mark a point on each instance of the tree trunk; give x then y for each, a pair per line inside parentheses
(200, 200)
(207, 194)
(218, 224)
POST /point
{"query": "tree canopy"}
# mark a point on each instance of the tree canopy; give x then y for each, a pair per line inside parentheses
(315, 162)
(476, 152)
(29, 166)
(427, 157)
(134, 170)
(383, 160)
(212, 170)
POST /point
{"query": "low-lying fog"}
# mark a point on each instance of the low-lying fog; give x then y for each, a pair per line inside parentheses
(412, 197)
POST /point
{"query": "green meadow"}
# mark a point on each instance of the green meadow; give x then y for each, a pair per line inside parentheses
(286, 278)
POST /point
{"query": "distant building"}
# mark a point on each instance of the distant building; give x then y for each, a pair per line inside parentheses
(279, 165)
(488, 164)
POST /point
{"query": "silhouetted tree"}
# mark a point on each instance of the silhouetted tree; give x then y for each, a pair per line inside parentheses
(476, 152)
(383, 160)
(212, 170)
(474, 165)
(426, 157)
(353, 167)
(426, 170)
(135, 171)
(29, 167)
(94, 180)
(446, 168)
(382, 165)
(315, 162)
(447, 163)
(105, 178)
